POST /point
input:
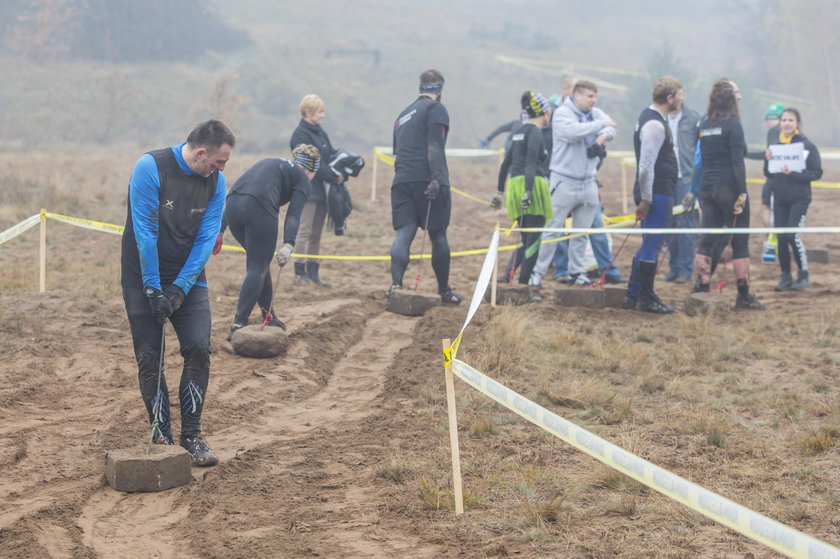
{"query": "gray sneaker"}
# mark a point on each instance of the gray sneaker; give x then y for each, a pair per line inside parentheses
(199, 450)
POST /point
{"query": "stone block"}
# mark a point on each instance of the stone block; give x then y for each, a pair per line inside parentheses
(817, 256)
(614, 296)
(702, 303)
(256, 341)
(411, 303)
(132, 470)
(510, 295)
(591, 297)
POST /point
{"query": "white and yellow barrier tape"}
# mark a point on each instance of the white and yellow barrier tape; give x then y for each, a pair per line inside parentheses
(782, 538)
(21, 227)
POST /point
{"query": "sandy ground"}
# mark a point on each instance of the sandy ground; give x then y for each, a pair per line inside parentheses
(302, 438)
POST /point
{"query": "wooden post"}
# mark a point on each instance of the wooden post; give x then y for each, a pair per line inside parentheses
(453, 435)
(43, 253)
(495, 277)
(623, 186)
(375, 176)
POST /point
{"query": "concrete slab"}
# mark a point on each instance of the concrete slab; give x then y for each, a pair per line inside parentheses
(132, 470)
(614, 296)
(591, 298)
(511, 295)
(702, 303)
(411, 303)
(251, 341)
(817, 256)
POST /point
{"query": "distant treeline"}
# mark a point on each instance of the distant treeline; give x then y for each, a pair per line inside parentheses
(115, 30)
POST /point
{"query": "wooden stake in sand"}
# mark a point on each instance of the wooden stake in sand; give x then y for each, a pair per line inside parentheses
(43, 252)
(453, 434)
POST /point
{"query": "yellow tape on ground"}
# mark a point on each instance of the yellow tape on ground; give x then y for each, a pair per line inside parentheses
(20, 228)
(755, 526)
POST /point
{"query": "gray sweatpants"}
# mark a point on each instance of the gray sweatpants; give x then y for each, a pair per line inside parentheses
(568, 197)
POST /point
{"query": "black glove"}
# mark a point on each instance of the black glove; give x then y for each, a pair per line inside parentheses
(175, 295)
(526, 200)
(496, 202)
(432, 190)
(161, 305)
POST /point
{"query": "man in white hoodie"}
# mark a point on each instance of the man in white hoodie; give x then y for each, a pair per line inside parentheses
(579, 132)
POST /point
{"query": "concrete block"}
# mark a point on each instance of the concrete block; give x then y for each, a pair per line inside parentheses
(132, 470)
(614, 296)
(251, 341)
(510, 295)
(817, 256)
(411, 303)
(591, 298)
(701, 303)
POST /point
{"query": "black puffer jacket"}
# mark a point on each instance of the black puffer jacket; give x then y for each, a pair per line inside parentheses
(314, 135)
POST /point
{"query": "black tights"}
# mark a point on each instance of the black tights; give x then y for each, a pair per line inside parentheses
(440, 254)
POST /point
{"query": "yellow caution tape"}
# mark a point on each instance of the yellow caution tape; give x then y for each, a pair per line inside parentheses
(782, 538)
(87, 223)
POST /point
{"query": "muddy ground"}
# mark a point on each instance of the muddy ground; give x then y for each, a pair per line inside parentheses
(327, 451)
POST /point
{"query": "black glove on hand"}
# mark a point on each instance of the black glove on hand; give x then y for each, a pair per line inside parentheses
(496, 202)
(432, 190)
(161, 306)
(526, 200)
(175, 295)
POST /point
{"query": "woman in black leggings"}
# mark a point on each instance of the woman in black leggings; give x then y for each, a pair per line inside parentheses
(791, 197)
(723, 192)
(252, 210)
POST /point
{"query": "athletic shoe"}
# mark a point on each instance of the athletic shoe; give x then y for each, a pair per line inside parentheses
(562, 278)
(700, 287)
(391, 289)
(276, 322)
(199, 450)
(233, 328)
(670, 276)
(535, 281)
(652, 303)
(579, 280)
(682, 278)
(748, 301)
(802, 280)
(449, 298)
(629, 302)
(615, 279)
(785, 282)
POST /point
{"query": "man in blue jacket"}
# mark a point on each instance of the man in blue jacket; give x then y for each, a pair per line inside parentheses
(176, 197)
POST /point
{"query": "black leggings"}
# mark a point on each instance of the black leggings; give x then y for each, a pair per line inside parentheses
(791, 213)
(256, 231)
(529, 248)
(440, 254)
(717, 212)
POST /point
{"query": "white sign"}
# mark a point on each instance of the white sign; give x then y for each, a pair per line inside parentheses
(792, 155)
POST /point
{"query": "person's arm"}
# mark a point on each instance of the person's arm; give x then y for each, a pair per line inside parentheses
(205, 238)
(436, 144)
(567, 128)
(737, 149)
(503, 170)
(144, 196)
(652, 136)
(533, 146)
(813, 166)
(324, 173)
(506, 127)
(300, 193)
(601, 116)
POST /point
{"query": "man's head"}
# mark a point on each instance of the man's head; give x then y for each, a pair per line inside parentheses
(569, 83)
(431, 84)
(209, 146)
(308, 158)
(668, 94)
(773, 114)
(312, 109)
(585, 95)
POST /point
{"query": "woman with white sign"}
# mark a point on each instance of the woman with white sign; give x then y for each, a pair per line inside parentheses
(792, 162)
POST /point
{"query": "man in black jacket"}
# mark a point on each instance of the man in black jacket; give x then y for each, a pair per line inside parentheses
(420, 194)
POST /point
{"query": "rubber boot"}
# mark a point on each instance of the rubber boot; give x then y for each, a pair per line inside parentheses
(785, 282)
(300, 273)
(648, 301)
(312, 272)
(802, 280)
